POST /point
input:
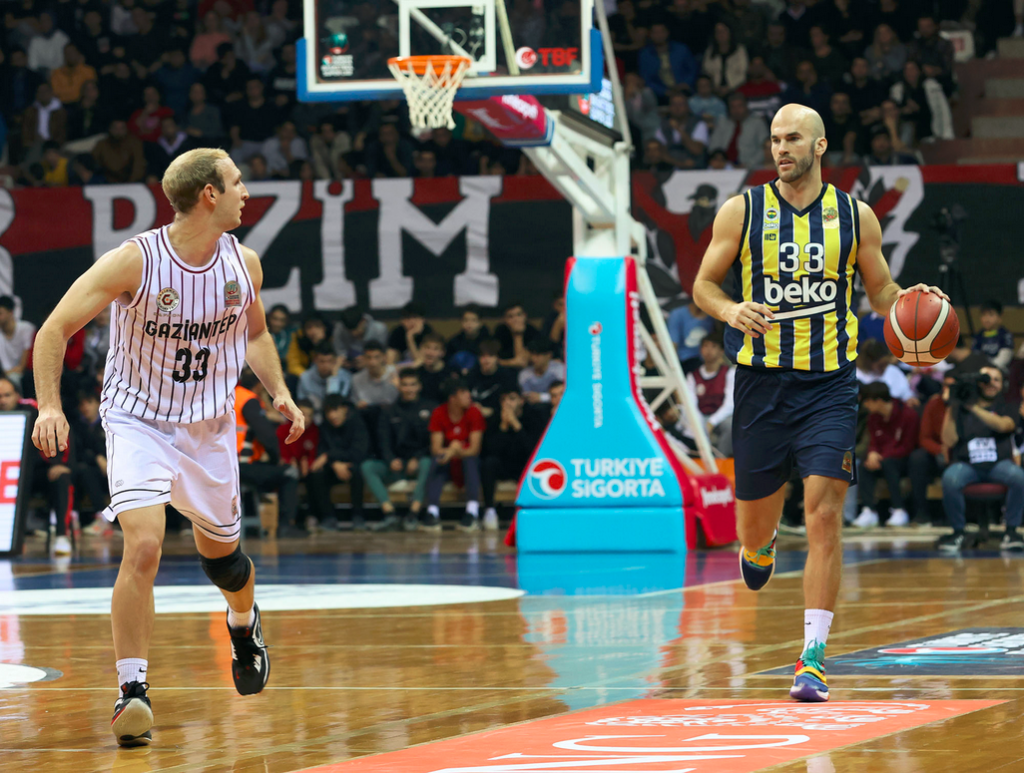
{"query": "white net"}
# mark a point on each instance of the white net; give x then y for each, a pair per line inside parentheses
(430, 84)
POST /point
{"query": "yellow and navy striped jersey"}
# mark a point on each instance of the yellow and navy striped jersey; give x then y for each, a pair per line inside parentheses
(800, 264)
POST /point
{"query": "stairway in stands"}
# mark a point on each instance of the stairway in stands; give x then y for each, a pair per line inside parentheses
(989, 119)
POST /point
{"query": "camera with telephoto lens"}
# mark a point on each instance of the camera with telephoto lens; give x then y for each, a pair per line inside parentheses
(967, 388)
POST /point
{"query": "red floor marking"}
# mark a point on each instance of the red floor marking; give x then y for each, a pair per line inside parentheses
(713, 736)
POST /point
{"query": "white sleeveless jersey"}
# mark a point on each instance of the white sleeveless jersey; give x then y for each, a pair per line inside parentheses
(176, 351)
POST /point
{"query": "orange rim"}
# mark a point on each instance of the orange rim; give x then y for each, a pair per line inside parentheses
(419, 64)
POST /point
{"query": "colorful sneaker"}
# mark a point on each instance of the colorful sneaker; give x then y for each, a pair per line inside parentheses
(250, 663)
(809, 685)
(758, 567)
(133, 716)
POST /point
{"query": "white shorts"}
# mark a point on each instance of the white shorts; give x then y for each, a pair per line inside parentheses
(192, 467)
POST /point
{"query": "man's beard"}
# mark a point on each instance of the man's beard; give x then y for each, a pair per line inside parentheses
(800, 168)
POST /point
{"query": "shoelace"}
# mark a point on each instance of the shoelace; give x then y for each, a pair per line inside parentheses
(768, 551)
(814, 656)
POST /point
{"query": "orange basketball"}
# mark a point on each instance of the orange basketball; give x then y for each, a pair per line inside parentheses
(921, 329)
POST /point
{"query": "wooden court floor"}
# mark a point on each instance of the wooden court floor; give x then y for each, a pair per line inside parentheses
(350, 682)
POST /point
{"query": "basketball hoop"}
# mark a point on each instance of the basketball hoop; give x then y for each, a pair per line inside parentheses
(430, 83)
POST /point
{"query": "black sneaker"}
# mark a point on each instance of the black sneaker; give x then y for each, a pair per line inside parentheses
(1012, 540)
(330, 523)
(951, 543)
(133, 716)
(250, 662)
(391, 522)
(412, 522)
(469, 523)
(431, 523)
(358, 522)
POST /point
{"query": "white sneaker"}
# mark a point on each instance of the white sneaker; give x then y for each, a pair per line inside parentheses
(97, 528)
(61, 546)
(898, 517)
(490, 519)
(867, 519)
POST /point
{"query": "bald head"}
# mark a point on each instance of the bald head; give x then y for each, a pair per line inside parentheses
(798, 142)
(803, 119)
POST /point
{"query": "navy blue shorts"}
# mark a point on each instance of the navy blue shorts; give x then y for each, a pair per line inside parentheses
(788, 417)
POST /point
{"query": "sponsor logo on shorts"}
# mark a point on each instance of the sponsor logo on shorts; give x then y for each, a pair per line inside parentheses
(232, 294)
(848, 462)
(167, 300)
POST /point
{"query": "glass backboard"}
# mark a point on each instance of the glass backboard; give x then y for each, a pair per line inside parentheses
(515, 46)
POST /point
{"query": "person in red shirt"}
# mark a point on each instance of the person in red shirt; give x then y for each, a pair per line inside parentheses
(456, 432)
(929, 460)
(302, 453)
(892, 433)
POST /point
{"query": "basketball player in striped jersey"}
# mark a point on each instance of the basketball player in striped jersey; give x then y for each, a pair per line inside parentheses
(187, 315)
(792, 247)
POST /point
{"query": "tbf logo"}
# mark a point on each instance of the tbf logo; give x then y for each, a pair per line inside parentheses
(547, 479)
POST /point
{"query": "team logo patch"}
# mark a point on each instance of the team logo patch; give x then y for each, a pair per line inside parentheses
(830, 217)
(848, 462)
(771, 218)
(232, 294)
(547, 479)
(167, 300)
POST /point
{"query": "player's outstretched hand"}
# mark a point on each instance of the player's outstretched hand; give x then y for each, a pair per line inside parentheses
(50, 434)
(287, 407)
(749, 318)
(925, 289)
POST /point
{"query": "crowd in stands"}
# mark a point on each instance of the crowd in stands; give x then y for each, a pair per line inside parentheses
(961, 422)
(95, 91)
(380, 407)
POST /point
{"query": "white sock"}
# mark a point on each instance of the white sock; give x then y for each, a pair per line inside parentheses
(817, 623)
(131, 670)
(473, 508)
(241, 619)
(434, 511)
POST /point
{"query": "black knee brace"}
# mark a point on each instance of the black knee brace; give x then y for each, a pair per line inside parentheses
(230, 572)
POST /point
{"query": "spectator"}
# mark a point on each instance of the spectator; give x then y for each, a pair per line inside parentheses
(89, 474)
(404, 341)
(67, 81)
(46, 49)
(93, 39)
(464, 347)
(725, 62)
(453, 156)
(932, 52)
(121, 90)
(928, 460)
(54, 166)
(965, 359)
(175, 77)
(688, 326)
(283, 149)
(403, 438)
(432, 371)
(712, 383)
(876, 363)
(866, 94)
(328, 148)
(553, 327)
(323, 378)
(717, 160)
(850, 22)
(425, 162)
(456, 433)
(121, 22)
(171, 144)
(994, 340)
(886, 55)
(780, 57)
(18, 86)
(253, 45)
(664, 63)
(202, 120)
(45, 119)
(684, 135)
(489, 380)
(252, 122)
(882, 153)
(88, 117)
(279, 27)
(895, 14)
(390, 155)
(144, 49)
(742, 135)
(16, 337)
(641, 105)
(690, 23)
(301, 454)
(203, 53)
(893, 429)
(706, 104)
(978, 430)
(842, 130)
(798, 19)
(763, 92)
(515, 334)
(507, 446)
(353, 331)
(629, 35)
(258, 454)
(344, 445)
(83, 172)
(535, 381)
(257, 169)
(807, 90)
(656, 160)
(281, 330)
(375, 383)
(671, 422)
(119, 155)
(748, 22)
(304, 342)
(226, 81)
(145, 122)
(537, 416)
(97, 339)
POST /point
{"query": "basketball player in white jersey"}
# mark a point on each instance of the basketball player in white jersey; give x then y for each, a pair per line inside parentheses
(187, 314)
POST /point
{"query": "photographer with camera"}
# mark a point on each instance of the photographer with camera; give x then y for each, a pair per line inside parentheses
(978, 430)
